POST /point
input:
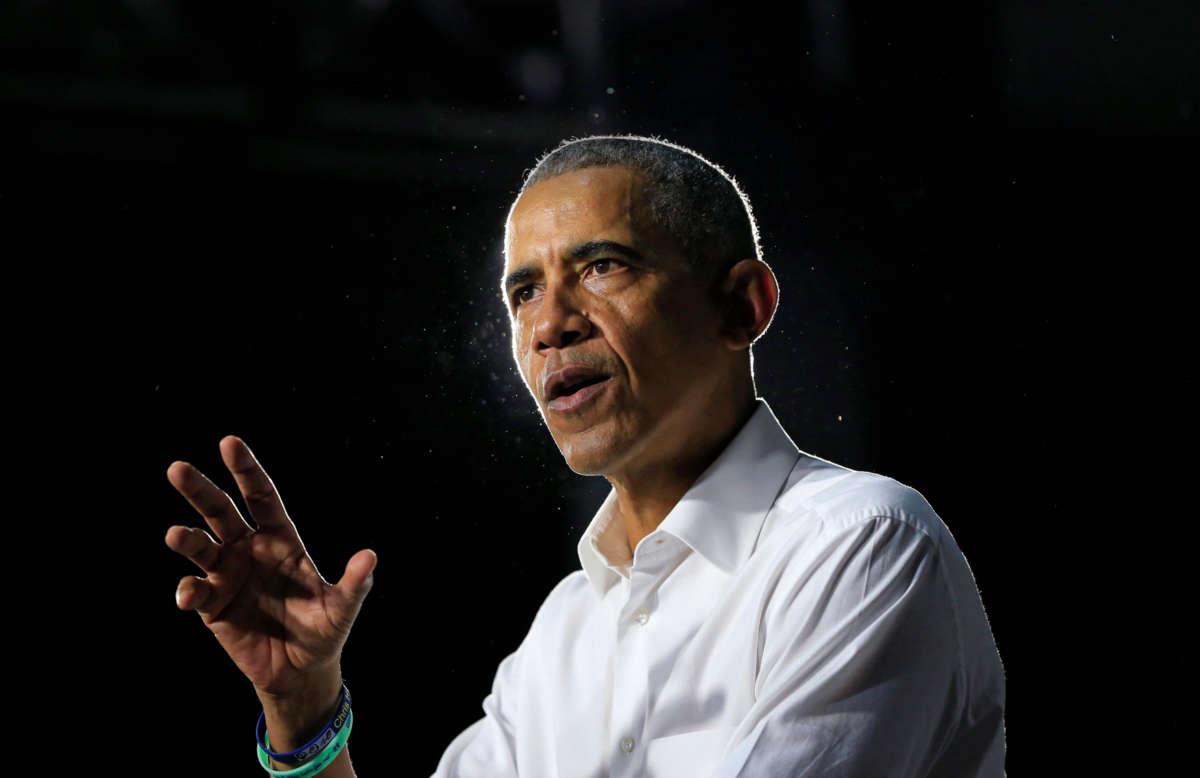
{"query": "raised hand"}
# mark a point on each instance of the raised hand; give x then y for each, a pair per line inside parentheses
(277, 618)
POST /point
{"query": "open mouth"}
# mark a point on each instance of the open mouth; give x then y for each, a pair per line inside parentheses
(566, 390)
(572, 389)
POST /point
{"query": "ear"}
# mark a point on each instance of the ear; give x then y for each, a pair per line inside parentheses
(749, 295)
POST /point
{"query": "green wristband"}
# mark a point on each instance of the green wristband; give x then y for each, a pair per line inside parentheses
(319, 762)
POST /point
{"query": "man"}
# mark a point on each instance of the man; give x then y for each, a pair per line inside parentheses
(743, 608)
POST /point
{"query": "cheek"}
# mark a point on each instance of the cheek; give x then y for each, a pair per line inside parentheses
(515, 344)
(520, 354)
(663, 327)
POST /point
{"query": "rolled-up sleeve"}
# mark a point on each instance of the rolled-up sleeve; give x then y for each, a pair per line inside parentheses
(862, 670)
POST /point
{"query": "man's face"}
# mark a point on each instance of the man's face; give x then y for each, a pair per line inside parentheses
(615, 338)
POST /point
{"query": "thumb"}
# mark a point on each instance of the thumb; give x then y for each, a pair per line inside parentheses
(358, 578)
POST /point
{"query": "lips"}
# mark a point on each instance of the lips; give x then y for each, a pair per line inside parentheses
(569, 380)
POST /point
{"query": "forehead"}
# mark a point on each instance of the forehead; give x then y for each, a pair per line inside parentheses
(570, 208)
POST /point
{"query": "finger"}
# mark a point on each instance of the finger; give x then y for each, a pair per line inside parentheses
(357, 581)
(193, 594)
(195, 544)
(256, 487)
(212, 503)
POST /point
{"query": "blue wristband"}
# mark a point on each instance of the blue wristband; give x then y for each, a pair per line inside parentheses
(322, 761)
(314, 746)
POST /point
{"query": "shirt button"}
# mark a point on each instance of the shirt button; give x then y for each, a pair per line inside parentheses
(627, 745)
(641, 616)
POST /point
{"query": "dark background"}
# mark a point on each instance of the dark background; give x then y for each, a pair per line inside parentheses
(283, 221)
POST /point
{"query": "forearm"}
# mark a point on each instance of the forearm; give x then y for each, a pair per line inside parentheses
(340, 767)
(294, 719)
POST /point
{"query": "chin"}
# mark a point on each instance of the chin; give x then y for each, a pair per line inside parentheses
(590, 453)
(588, 462)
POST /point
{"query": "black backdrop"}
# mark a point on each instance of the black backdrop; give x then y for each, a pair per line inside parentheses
(286, 225)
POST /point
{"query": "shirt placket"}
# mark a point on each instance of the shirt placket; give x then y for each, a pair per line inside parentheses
(630, 671)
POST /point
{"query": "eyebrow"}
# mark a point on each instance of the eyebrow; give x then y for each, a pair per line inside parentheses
(594, 247)
(583, 251)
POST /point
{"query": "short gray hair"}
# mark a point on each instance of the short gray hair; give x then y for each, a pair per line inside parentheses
(696, 201)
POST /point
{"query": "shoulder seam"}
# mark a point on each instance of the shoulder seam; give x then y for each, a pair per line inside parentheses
(874, 513)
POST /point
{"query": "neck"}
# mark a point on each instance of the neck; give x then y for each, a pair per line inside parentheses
(647, 493)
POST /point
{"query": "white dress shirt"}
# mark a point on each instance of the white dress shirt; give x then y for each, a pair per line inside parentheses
(789, 617)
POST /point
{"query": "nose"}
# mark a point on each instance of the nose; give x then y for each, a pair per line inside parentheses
(559, 322)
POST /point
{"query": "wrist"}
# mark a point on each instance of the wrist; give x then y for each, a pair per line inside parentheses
(294, 717)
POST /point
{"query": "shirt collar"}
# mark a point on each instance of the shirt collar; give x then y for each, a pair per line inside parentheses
(719, 517)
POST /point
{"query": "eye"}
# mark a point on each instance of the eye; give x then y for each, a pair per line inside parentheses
(522, 295)
(605, 266)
